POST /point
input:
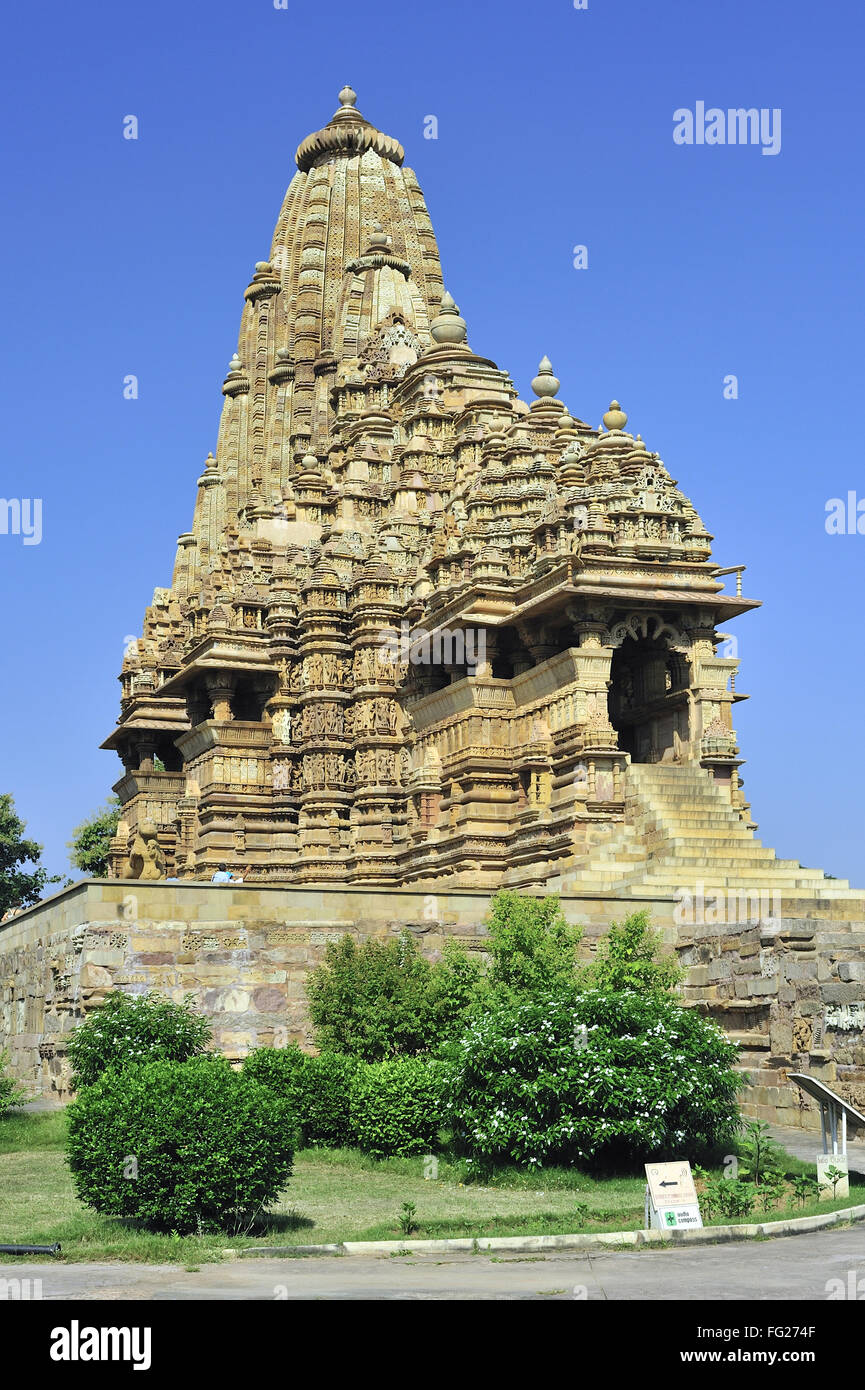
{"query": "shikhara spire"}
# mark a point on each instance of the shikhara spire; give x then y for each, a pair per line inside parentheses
(373, 475)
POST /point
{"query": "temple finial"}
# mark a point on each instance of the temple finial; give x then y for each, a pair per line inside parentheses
(347, 96)
(378, 237)
(447, 327)
(615, 418)
(545, 383)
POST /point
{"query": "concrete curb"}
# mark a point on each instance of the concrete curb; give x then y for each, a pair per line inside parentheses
(709, 1235)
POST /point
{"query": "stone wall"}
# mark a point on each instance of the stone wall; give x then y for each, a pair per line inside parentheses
(791, 991)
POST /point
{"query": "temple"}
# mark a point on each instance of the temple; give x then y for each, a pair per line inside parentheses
(422, 630)
(425, 640)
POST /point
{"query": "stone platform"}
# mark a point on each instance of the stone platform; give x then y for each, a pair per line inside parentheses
(790, 988)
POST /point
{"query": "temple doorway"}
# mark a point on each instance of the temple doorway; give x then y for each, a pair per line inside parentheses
(648, 700)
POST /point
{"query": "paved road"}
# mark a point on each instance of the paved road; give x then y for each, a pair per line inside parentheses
(794, 1268)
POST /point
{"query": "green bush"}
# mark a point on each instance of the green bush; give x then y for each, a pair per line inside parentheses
(286, 1072)
(318, 1090)
(10, 1092)
(397, 1106)
(127, 1030)
(619, 1076)
(631, 956)
(327, 1119)
(384, 999)
(180, 1146)
(532, 948)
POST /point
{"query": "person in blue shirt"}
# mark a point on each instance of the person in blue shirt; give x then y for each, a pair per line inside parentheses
(223, 875)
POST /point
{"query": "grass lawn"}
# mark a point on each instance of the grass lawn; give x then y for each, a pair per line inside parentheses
(334, 1195)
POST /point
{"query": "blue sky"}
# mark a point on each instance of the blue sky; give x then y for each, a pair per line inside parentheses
(555, 128)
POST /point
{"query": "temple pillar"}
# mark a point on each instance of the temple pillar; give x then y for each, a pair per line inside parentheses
(220, 687)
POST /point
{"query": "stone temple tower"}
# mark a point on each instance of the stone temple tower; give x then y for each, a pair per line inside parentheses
(421, 630)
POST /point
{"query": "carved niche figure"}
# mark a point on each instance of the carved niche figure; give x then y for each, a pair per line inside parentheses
(281, 775)
(281, 726)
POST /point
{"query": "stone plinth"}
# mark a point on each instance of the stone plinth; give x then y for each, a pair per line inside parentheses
(790, 991)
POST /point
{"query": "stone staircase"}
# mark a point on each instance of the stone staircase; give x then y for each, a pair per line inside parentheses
(680, 832)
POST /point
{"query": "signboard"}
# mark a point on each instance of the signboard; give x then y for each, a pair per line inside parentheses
(672, 1198)
(842, 1186)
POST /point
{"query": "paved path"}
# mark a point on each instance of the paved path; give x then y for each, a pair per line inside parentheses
(806, 1143)
(793, 1268)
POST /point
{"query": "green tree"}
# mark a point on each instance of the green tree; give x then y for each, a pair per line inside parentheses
(531, 946)
(631, 956)
(91, 840)
(18, 886)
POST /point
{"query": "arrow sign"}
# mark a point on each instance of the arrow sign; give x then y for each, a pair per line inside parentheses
(671, 1184)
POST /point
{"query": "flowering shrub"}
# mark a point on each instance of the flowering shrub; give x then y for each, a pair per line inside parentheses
(180, 1146)
(612, 1075)
(127, 1029)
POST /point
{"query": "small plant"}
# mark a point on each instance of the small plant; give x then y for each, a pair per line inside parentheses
(759, 1152)
(735, 1198)
(581, 1213)
(835, 1175)
(10, 1092)
(771, 1190)
(407, 1223)
(710, 1198)
(805, 1189)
